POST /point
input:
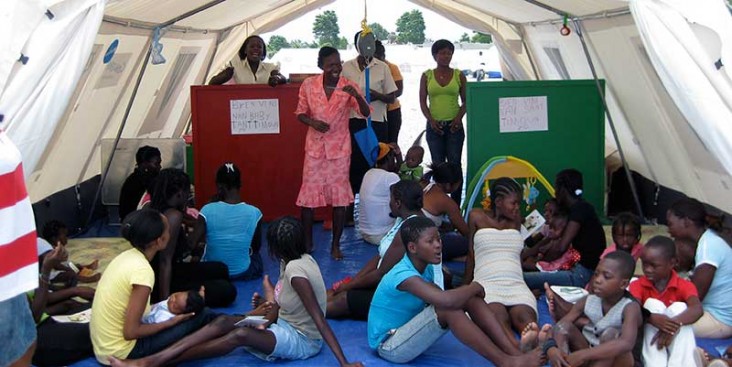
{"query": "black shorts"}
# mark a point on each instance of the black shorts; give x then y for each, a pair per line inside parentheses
(359, 302)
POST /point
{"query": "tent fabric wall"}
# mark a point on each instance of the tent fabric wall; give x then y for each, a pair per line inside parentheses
(657, 140)
(161, 108)
(684, 42)
(38, 92)
(678, 147)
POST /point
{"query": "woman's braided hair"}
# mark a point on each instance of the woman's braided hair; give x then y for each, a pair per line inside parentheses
(286, 239)
(168, 183)
(502, 187)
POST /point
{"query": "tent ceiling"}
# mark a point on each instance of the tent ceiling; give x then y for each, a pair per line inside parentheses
(223, 15)
(234, 12)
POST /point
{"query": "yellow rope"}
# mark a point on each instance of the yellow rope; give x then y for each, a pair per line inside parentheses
(365, 29)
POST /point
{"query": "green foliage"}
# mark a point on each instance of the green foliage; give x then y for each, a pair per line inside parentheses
(379, 31)
(410, 27)
(325, 29)
(481, 38)
(275, 44)
(464, 38)
(301, 44)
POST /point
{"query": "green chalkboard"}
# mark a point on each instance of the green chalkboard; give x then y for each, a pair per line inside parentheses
(500, 113)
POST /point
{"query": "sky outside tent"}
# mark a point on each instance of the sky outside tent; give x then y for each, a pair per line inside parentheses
(385, 12)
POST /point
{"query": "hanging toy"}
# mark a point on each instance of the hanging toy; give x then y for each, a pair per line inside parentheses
(565, 31)
(531, 193)
(486, 202)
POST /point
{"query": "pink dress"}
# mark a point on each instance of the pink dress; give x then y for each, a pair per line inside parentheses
(327, 155)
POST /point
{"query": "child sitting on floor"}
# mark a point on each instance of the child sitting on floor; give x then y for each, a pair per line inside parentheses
(545, 256)
(412, 168)
(671, 305)
(550, 207)
(55, 233)
(566, 260)
(613, 320)
(178, 303)
(408, 313)
(626, 232)
(295, 327)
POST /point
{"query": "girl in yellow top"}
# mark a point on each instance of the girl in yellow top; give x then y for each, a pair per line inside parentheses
(444, 114)
(248, 67)
(123, 296)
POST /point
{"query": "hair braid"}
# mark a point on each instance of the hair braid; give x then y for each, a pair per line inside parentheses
(502, 187)
(286, 239)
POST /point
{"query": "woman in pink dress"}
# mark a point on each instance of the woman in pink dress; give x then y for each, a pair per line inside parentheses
(324, 104)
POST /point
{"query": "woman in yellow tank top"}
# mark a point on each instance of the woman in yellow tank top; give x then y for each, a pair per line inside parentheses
(439, 89)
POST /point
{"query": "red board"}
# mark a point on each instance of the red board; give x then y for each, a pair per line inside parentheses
(271, 164)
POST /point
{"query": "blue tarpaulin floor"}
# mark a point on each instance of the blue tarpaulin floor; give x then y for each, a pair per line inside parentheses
(448, 351)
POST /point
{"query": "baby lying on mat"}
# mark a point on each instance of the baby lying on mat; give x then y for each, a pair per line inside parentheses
(179, 303)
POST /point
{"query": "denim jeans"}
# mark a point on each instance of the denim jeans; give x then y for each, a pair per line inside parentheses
(447, 147)
(17, 329)
(578, 276)
(413, 338)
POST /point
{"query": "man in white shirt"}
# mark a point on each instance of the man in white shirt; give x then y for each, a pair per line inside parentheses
(382, 89)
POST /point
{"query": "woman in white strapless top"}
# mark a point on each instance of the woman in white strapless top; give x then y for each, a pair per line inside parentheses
(494, 257)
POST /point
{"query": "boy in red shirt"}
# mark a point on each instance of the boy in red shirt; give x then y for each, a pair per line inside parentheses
(670, 306)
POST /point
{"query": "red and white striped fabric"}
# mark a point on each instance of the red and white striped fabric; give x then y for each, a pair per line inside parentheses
(18, 254)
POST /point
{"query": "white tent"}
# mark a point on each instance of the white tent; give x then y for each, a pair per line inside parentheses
(668, 90)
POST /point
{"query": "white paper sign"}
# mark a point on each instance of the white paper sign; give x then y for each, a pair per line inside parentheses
(520, 114)
(255, 116)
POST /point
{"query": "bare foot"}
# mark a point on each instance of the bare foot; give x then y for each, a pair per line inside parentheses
(545, 333)
(336, 253)
(550, 299)
(94, 265)
(528, 337)
(269, 291)
(114, 362)
(262, 309)
(532, 358)
(256, 300)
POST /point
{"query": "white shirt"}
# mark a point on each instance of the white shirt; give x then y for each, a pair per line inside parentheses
(243, 73)
(380, 80)
(158, 313)
(373, 208)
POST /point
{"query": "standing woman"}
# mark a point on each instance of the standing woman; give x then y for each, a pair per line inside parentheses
(442, 86)
(248, 67)
(324, 104)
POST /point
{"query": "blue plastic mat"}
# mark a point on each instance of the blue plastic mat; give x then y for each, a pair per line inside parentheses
(448, 351)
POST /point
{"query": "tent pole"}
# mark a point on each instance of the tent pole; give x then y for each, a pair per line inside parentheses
(132, 99)
(529, 54)
(108, 164)
(208, 71)
(578, 28)
(191, 13)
